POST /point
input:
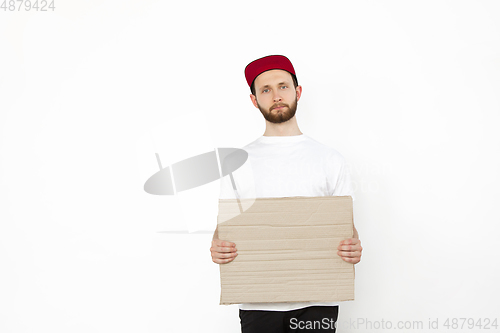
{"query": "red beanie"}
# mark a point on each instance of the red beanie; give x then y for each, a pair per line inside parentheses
(256, 67)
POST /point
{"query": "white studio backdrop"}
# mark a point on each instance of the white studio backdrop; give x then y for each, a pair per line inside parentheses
(407, 91)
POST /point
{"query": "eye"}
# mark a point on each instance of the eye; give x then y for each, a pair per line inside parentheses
(265, 90)
(283, 87)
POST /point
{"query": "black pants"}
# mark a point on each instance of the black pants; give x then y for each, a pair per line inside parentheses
(309, 319)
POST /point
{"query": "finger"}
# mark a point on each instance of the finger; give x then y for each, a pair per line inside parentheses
(219, 255)
(223, 243)
(356, 247)
(222, 261)
(345, 242)
(350, 241)
(224, 249)
(349, 254)
(346, 248)
(351, 260)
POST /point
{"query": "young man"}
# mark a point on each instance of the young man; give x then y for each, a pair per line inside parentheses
(285, 163)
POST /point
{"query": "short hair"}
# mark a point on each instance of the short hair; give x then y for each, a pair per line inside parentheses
(294, 78)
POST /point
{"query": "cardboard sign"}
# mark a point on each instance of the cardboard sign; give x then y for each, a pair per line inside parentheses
(287, 250)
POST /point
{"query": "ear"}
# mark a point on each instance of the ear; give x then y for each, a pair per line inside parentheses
(254, 100)
(298, 90)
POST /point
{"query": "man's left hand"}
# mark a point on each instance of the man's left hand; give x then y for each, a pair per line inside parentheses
(350, 250)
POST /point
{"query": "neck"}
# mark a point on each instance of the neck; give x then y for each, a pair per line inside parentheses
(288, 128)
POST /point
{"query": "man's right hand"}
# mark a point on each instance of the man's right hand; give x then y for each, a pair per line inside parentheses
(223, 251)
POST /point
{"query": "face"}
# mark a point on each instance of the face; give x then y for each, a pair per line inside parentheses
(275, 95)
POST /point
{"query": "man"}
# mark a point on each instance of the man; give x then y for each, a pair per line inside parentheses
(285, 163)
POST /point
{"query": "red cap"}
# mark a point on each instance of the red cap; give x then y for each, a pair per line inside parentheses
(257, 67)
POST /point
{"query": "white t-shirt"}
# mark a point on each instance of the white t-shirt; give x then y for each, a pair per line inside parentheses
(288, 166)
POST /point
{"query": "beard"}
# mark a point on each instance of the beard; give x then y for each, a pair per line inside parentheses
(279, 116)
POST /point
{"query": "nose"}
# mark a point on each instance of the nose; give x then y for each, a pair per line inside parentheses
(277, 96)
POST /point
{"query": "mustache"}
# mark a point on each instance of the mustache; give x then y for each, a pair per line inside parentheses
(278, 105)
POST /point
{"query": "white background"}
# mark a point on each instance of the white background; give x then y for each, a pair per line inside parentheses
(407, 91)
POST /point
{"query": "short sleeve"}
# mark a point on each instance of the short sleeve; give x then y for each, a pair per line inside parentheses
(226, 187)
(342, 183)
